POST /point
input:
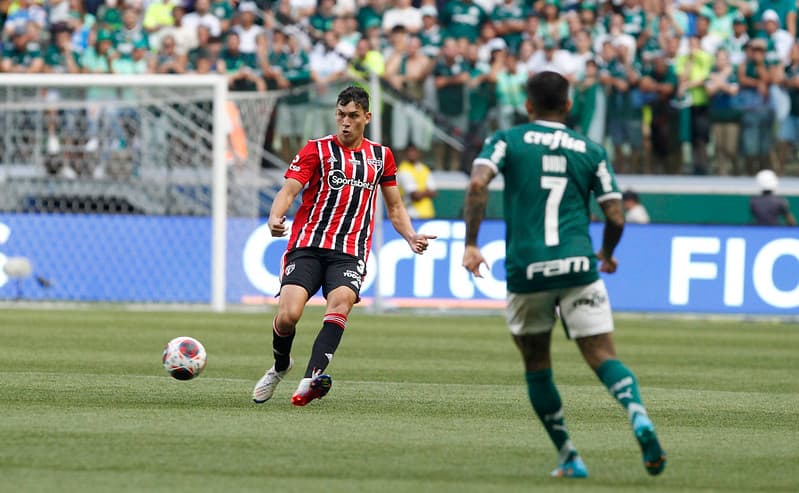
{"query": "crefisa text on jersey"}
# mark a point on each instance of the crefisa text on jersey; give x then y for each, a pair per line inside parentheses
(555, 140)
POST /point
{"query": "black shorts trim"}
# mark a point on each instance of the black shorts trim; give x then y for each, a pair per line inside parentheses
(315, 268)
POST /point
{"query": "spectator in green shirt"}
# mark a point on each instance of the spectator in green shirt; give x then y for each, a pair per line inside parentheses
(290, 69)
(59, 58)
(322, 20)
(625, 125)
(130, 33)
(788, 136)
(481, 93)
(721, 18)
(431, 34)
(109, 15)
(22, 55)
(785, 9)
(224, 11)
(511, 93)
(634, 17)
(135, 62)
(588, 108)
(451, 75)
(462, 19)
(371, 14)
(241, 68)
(658, 86)
(757, 116)
(509, 18)
(552, 25)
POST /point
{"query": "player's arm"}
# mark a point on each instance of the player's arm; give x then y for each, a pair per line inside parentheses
(474, 209)
(280, 206)
(609, 197)
(401, 221)
(614, 226)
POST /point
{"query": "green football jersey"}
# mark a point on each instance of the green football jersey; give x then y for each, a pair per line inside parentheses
(550, 173)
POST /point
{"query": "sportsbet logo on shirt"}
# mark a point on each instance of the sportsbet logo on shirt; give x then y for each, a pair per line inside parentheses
(337, 180)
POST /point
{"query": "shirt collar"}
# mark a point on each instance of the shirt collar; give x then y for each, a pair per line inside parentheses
(548, 123)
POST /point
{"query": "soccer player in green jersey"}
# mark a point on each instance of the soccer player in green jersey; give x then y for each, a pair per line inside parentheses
(550, 173)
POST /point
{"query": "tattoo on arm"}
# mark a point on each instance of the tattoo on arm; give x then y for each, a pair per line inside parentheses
(614, 225)
(474, 206)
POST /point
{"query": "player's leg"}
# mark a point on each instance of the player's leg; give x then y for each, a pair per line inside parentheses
(339, 304)
(290, 306)
(530, 319)
(300, 278)
(343, 276)
(588, 319)
(284, 326)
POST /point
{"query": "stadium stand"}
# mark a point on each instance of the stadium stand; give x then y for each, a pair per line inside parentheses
(671, 87)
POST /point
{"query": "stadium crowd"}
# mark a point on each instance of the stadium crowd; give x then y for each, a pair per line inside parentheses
(649, 77)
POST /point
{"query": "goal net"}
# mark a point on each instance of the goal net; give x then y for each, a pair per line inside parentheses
(120, 188)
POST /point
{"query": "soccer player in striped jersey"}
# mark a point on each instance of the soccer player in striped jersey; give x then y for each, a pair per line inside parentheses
(550, 174)
(339, 177)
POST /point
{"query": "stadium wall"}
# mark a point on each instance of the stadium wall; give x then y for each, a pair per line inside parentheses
(664, 268)
(668, 199)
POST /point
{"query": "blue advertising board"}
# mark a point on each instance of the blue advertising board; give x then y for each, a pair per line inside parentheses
(663, 268)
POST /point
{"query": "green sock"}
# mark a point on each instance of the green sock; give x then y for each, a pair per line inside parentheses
(546, 402)
(622, 385)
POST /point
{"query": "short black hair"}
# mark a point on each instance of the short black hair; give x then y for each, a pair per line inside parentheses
(549, 92)
(354, 94)
(630, 195)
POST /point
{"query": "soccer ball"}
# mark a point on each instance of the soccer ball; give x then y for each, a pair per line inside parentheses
(184, 358)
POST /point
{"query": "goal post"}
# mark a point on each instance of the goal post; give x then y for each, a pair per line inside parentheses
(186, 85)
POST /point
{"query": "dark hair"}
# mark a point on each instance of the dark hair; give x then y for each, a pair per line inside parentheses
(630, 195)
(354, 94)
(549, 92)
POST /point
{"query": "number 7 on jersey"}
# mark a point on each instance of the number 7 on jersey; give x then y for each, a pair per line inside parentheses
(556, 185)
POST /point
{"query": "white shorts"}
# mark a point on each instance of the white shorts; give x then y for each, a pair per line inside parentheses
(585, 311)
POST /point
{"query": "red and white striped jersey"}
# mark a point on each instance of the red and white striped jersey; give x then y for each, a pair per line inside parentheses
(341, 187)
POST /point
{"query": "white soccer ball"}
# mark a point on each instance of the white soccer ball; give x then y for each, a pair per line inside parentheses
(17, 267)
(184, 358)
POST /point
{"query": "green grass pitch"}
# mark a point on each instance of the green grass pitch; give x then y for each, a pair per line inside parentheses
(419, 404)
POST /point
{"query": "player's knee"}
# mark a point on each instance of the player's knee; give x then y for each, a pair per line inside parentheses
(341, 300)
(286, 322)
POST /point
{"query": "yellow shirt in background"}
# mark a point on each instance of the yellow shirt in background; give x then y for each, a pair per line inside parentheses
(412, 177)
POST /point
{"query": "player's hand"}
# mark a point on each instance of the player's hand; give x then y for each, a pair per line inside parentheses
(277, 225)
(473, 259)
(608, 265)
(419, 242)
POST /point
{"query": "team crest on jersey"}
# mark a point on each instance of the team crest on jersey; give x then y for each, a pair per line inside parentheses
(376, 164)
(289, 270)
